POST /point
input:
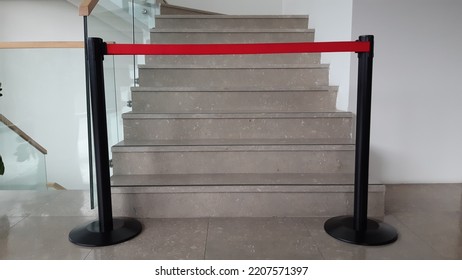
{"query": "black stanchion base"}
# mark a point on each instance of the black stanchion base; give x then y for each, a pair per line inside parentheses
(377, 233)
(89, 235)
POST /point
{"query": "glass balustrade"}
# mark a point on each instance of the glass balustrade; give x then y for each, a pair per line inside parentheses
(120, 21)
(44, 97)
(24, 163)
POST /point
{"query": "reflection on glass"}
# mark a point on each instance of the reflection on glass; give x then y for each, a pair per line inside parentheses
(25, 167)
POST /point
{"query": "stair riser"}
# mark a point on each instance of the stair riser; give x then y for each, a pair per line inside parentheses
(178, 102)
(235, 182)
(180, 129)
(197, 205)
(229, 37)
(231, 23)
(233, 78)
(324, 161)
(236, 60)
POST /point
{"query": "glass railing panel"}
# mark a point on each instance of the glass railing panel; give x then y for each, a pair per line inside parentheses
(124, 21)
(144, 13)
(44, 96)
(117, 21)
(121, 21)
(24, 165)
(111, 22)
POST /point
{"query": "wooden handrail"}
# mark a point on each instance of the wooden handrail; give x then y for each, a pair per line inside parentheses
(22, 134)
(43, 45)
(86, 7)
(55, 186)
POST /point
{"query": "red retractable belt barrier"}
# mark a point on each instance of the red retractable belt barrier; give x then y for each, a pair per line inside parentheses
(356, 229)
(228, 49)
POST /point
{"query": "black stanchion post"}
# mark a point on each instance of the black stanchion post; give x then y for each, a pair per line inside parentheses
(106, 230)
(363, 132)
(98, 111)
(358, 229)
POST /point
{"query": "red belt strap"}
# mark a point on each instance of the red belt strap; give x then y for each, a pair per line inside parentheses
(228, 49)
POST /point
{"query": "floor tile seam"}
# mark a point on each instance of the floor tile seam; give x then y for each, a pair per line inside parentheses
(418, 236)
(90, 251)
(423, 211)
(318, 249)
(206, 238)
(315, 244)
(22, 219)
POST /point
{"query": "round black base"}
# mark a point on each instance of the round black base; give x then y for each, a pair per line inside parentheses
(377, 233)
(89, 235)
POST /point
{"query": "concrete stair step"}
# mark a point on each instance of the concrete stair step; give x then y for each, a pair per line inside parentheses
(238, 126)
(223, 36)
(229, 77)
(204, 159)
(248, 60)
(270, 200)
(182, 100)
(234, 142)
(228, 182)
(218, 22)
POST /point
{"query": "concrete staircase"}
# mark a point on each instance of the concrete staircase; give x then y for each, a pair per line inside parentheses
(235, 136)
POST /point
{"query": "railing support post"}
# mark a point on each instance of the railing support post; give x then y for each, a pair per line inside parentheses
(358, 229)
(106, 230)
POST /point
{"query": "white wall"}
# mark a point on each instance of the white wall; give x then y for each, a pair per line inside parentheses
(235, 7)
(332, 21)
(417, 91)
(39, 20)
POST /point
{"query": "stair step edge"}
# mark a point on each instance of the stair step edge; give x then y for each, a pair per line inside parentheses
(127, 186)
(236, 142)
(195, 66)
(233, 148)
(235, 16)
(282, 115)
(230, 30)
(232, 179)
(248, 89)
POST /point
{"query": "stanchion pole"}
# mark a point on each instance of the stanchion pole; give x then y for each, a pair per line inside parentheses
(358, 229)
(106, 230)
(363, 132)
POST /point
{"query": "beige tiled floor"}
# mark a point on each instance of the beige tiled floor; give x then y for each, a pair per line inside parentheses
(36, 226)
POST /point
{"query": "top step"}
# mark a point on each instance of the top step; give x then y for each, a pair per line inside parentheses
(217, 22)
